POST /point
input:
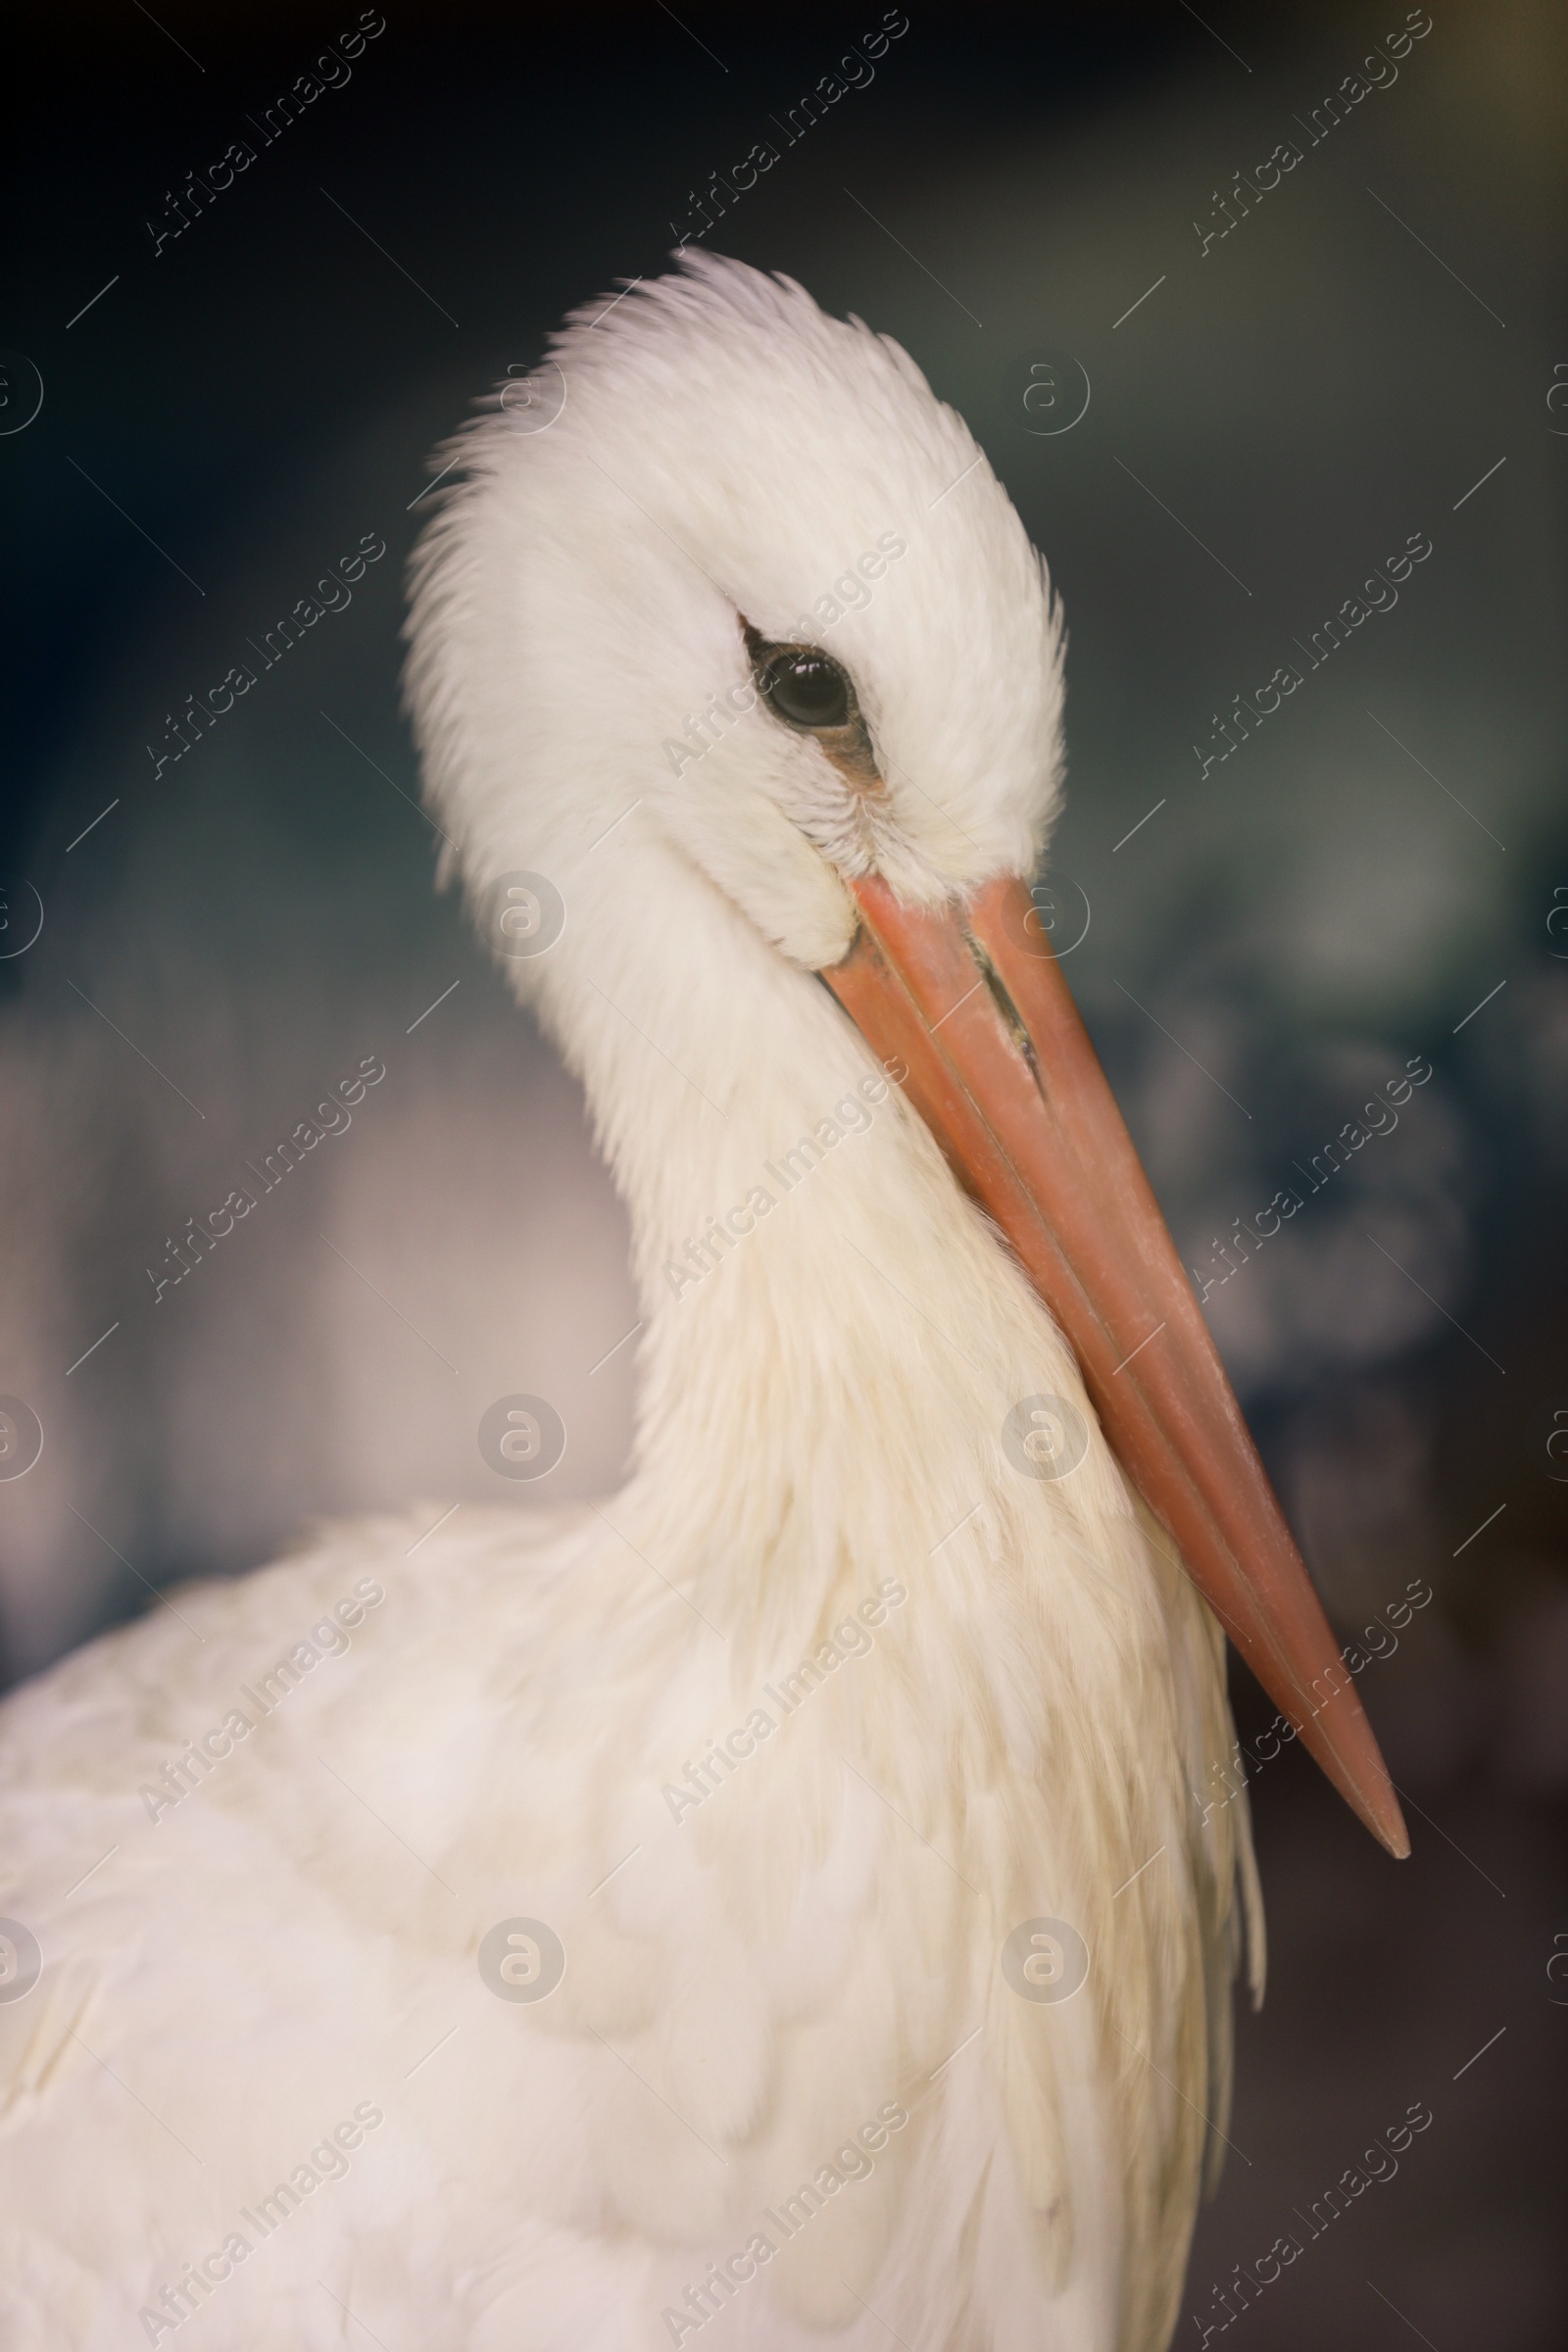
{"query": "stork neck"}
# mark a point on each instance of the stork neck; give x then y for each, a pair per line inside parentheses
(829, 1328)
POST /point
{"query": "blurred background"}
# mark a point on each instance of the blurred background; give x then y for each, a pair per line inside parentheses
(1233, 349)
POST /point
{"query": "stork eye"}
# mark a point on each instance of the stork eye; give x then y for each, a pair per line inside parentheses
(810, 692)
(804, 686)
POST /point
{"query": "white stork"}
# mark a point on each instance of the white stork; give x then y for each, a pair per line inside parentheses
(784, 1906)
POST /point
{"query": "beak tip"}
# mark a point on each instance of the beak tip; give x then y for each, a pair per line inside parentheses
(1344, 1745)
(1362, 1779)
(1392, 1834)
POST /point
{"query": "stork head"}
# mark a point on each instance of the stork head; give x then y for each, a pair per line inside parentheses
(725, 566)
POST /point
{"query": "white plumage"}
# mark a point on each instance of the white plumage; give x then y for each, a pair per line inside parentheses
(292, 1944)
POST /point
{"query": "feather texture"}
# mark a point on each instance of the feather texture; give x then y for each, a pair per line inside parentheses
(988, 1697)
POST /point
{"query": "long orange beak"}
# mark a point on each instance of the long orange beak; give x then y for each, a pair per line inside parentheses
(1001, 1071)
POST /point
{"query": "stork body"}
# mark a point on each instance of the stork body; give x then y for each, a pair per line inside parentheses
(764, 1975)
(777, 1941)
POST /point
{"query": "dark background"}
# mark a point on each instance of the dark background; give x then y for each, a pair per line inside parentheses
(1275, 418)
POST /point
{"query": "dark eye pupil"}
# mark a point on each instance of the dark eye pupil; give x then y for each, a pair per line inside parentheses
(810, 690)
